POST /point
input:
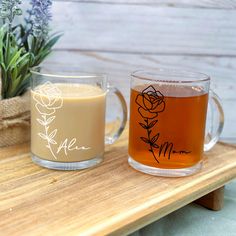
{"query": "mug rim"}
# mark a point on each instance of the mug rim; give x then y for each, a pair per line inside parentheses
(171, 75)
(81, 75)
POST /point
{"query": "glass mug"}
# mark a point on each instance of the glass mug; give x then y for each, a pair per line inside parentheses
(168, 110)
(68, 118)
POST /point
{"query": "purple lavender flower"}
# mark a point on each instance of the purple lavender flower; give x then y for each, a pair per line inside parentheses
(39, 17)
(9, 9)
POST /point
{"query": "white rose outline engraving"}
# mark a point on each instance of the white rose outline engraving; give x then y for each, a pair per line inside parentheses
(48, 98)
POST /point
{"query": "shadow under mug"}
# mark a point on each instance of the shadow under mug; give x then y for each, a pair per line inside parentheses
(68, 118)
(168, 110)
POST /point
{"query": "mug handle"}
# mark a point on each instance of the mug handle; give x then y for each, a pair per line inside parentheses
(115, 127)
(216, 127)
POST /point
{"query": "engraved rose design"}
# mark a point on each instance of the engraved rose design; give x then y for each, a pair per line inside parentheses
(151, 102)
(48, 98)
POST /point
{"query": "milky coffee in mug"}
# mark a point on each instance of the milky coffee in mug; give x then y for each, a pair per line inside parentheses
(68, 120)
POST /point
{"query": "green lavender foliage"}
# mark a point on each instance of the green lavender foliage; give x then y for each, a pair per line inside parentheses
(15, 63)
(23, 46)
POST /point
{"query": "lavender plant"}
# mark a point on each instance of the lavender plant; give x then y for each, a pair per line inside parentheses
(9, 9)
(24, 45)
(39, 17)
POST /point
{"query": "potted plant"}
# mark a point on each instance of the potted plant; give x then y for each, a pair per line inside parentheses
(22, 46)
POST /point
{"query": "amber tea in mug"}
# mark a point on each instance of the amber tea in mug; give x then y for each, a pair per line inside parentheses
(167, 122)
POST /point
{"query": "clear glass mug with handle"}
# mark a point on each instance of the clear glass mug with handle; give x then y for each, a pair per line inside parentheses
(168, 110)
(68, 118)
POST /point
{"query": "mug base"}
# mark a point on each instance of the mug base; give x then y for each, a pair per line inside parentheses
(80, 165)
(165, 172)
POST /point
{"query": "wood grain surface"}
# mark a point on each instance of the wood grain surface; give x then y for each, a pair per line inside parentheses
(222, 4)
(111, 198)
(145, 29)
(118, 67)
(117, 37)
(213, 200)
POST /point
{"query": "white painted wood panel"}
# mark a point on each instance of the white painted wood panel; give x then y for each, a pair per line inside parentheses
(145, 29)
(120, 36)
(222, 4)
(118, 67)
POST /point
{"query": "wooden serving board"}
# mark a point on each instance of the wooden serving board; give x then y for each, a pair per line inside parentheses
(111, 198)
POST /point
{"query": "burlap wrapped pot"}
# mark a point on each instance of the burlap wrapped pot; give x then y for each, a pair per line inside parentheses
(15, 120)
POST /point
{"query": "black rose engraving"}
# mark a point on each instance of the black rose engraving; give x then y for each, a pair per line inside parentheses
(151, 102)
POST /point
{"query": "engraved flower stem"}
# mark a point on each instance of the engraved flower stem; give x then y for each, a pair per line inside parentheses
(46, 133)
(149, 138)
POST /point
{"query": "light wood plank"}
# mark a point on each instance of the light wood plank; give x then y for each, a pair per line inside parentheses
(222, 4)
(111, 198)
(145, 29)
(213, 200)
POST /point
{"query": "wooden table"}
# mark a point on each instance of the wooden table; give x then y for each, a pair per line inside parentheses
(111, 198)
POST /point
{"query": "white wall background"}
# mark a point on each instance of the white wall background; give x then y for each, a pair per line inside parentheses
(119, 36)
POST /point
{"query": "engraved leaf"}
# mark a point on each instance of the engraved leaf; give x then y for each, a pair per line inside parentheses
(43, 136)
(143, 125)
(145, 140)
(41, 122)
(50, 119)
(154, 139)
(52, 141)
(152, 124)
(53, 133)
(155, 145)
